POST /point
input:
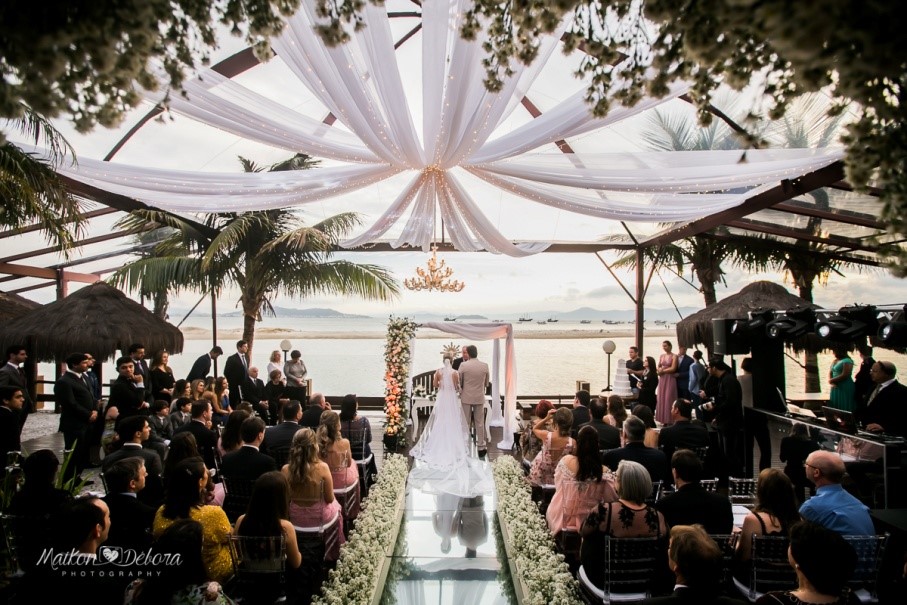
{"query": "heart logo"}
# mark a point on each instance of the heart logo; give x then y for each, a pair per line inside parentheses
(110, 554)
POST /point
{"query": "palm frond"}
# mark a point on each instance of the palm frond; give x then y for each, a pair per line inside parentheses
(248, 165)
(171, 274)
(39, 129)
(300, 161)
(370, 282)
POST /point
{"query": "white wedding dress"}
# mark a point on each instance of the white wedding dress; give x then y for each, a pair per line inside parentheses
(443, 464)
(445, 438)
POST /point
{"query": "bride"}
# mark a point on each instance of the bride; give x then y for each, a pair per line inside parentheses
(444, 440)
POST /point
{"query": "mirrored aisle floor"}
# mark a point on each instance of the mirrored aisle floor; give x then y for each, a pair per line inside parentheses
(447, 552)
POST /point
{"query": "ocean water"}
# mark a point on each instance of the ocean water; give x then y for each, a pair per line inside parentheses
(347, 355)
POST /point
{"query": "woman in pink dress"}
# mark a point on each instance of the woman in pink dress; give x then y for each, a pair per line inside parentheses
(336, 453)
(312, 499)
(667, 384)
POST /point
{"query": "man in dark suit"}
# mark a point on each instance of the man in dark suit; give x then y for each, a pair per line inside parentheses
(199, 426)
(580, 411)
(697, 563)
(464, 356)
(202, 366)
(684, 433)
(280, 436)
(236, 371)
(311, 417)
(140, 368)
(79, 412)
(248, 463)
(133, 431)
(691, 503)
(886, 407)
(131, 519)
(608, 436)
(12, 375)
(727, 407)
(12, 400)
(256, 395)
(653, 459)
(127, 392)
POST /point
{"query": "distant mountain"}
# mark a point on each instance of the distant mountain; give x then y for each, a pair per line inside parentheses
(309, 313)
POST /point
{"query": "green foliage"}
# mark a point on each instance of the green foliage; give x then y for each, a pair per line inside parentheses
(856, 51)
(84, 59)
(73, 485)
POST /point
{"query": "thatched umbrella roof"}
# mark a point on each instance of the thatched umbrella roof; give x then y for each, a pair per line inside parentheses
(98, 319)
(697, 328)
(13, 306)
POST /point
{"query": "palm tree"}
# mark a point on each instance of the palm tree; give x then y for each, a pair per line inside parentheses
(263, 253)
(30, 189)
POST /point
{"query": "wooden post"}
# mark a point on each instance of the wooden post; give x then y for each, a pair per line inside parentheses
(640, 300)
(214, 325)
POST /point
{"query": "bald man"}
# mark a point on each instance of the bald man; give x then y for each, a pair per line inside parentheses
(833, 507)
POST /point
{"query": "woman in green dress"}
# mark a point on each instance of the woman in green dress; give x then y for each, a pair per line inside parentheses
(841, 380)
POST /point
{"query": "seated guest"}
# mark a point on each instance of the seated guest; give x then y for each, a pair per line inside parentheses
(254, 393)
(311, 417)
(645, 413)
(181, 414)
(335, 451)
(555, 444)
(312, 501)
(230, 439)
(280, 436)
(269, 514)
(628, 517)
(684, 433)
(608, 435)
(794, 450)
(133, 431)
(833, 507)
(617, 411)
(652, 459)
(690, 503)
(885, 410)
(159, 420)
(184, 446)
(130, 518)
(200, 427)
(357, 429)
(246, 463)
(824, 563)
(697, 563)
(579, 484)
(187, 582)
(774, 514)
(186, 492)
(580, 410)
(275, 390)
(530, 445)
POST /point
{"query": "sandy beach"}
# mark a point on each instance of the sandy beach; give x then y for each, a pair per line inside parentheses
(193, 333)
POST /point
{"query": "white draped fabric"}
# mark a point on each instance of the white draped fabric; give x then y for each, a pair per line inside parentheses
(463, 131)
(489, 332)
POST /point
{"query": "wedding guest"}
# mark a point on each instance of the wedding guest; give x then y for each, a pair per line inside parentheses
(649, 384)
(197, 388)
(645, 414)
(608, 435)
(755, 424)
(617, 411)
(202, 366)
(652, 459)
(862, 381)
(555, 444)
(357, 429)
(12, 400)
(690, 503)
(841, 381)
(275, 391)
(275, 362)
(182, 413)
(131, 519)
(181, 390)
(530, 445)
(230, 438)
(667, 384)
(684, 362)
(698, 373)
(162, 380)
(295, 373)
(268, 514)
(159, 420)
(773, 515)
(795, 448)
(580, 410)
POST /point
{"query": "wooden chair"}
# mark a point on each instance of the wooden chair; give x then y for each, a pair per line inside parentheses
(870, 550)
(771, 569)
(259, 565)
(630, 566)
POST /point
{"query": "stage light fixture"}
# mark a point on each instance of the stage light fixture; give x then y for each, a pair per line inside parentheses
(758, 318)
(793, 324)
(850, 324)
(893, 333)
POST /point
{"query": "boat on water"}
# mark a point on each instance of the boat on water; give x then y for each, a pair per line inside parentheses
(552, 320)
(450, 319)
(497, 321)
(542, 323)
(525, 318)
(585, 321)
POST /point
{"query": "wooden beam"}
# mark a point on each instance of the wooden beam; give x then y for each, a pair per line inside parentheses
(841, 256)
(46, 273)
(556, 247)
(535, 112)
(84, 242)
(801, 234)
(781, 193)
(40, 226)
(843, 185)
(841, 216)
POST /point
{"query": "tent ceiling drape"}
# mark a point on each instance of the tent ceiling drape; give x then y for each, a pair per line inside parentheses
(462, 132)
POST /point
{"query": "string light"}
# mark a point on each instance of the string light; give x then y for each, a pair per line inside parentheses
(436, 278)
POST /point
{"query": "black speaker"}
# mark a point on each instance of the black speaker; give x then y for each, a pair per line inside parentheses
(725, 342)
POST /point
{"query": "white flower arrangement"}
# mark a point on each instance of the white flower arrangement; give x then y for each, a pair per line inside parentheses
(363, 559)
(541, 571)
(397, 354)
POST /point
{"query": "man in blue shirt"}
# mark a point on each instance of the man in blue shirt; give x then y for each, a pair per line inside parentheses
(833, 507)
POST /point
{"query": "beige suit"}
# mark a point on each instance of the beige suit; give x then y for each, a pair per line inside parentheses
(473, 380)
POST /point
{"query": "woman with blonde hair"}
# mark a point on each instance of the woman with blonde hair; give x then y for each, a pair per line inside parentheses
(336, 453)
(196, 388)
(275, 362)
(312, 500)
(220, 405)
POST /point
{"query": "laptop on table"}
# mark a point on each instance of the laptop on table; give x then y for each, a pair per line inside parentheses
(840, 420)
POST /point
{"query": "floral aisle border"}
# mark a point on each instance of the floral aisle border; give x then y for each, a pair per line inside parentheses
(540, 575)
(397, 358)
(363, 564)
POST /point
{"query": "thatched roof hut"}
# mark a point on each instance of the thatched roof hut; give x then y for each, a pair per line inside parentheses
(697, 328)
(98, 319)
(13, 306)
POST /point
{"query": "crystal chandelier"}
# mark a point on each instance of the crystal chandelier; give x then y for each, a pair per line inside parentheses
(436, 278)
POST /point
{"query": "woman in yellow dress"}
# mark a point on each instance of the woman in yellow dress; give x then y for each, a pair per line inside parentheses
(185, 499)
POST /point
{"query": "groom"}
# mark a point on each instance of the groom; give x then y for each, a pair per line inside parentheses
(473, 380)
